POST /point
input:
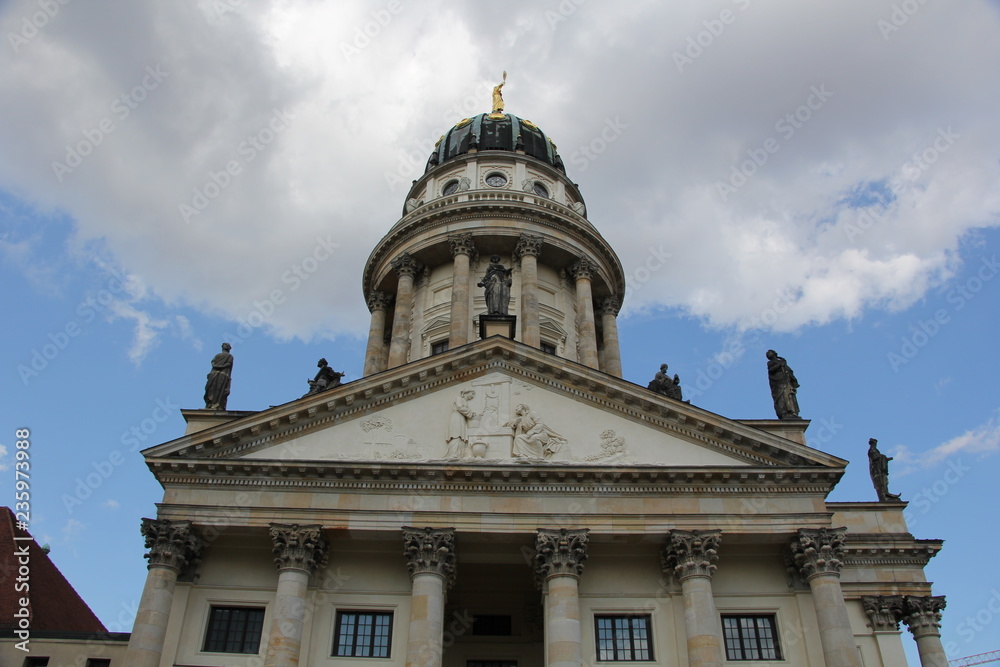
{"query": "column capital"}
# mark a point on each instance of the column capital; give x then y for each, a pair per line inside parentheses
(817, 551)
(582, 268)
(528, 245)
(430, 551)
(610, 305)
(560, 551)
(405, 265)
(922, 614)
(691, 553)
(171, 544)
(462, 244)
(379, 301)
(884, 611)
(298, 547)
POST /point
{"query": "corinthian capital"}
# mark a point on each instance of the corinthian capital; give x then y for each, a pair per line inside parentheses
(582, 268)
(884, 611)
(818, 551)
(691, 553)
(462, 244)
(379, 301)
(610, 305)
(171, 543)
(922, 614)
(298, 547)
(405, 265)
(560, 551)
(430, 551)
(528, 245)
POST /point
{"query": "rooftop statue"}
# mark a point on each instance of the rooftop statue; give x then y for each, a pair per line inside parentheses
(496, 284)
(664, 384)
(498, 95)
(784, 386)
(326, 378)
(219, 378)
(878, 467)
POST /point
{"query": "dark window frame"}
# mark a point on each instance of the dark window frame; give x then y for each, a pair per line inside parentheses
(439, 347)
(370, 638)
(547, 347)
(641, 646)
(219, 640)
(98, 662)
(36, 661)
(747, 643)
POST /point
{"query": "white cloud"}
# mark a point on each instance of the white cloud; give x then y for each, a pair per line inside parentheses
(3, 455)
(111, 503)
(981, 441)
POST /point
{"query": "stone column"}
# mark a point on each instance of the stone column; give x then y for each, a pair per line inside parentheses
(378, 304)
(922, 616)
(173, 548)
(884, 613)
(430, 558)
(817, 554)
(690, 555)
(528, 249)
(559, 558)
(298, 552)
(406, 268)
(582, 271)
(463, 250)
(609, 324)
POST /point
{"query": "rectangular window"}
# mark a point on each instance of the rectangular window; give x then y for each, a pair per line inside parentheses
(491, 663)
(439, 347)
(362, 634)
(751, 637)
(36, 662)
(98, 662)
(491, 625)
(234, 630)
(623, 638)
(548, 348)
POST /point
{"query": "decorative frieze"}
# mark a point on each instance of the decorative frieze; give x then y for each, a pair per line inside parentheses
(818, 551)
(171, 544)
(560, 551)
(406, 265)
(379, 301)
(691, 553)
(430, 551)
(462, 244)
(922, 614)
(528, 245)
(884, 611)
(298, 547)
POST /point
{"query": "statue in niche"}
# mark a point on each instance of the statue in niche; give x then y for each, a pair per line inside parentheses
(784, 386)
(496, 285)
(219, 378)
(458, 427)
(664, 384)
(878, 467)
(326, 378)
(533, 440)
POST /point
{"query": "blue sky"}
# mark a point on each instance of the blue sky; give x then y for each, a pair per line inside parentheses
(811, 181)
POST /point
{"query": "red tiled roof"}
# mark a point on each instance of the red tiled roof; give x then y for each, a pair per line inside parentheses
(54, 604)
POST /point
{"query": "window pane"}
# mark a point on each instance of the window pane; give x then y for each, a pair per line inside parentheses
(362, 635)
(234, 630)
(751, 637)
(623, 638)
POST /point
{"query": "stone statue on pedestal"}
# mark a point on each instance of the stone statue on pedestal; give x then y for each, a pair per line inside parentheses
(784, 386)
(219, 378)
(326, 378)
(664, 384)
(496, 285)
(878, 467)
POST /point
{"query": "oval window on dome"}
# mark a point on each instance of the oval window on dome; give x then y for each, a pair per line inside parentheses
(539, 189)
(450, 188)
(496, 180)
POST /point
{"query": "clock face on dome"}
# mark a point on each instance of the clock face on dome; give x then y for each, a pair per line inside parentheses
(496, 180)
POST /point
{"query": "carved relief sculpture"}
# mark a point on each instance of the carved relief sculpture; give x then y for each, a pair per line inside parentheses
(878, 467)
(533, 440)
(458, 427)
(219, 378)
(784, 386)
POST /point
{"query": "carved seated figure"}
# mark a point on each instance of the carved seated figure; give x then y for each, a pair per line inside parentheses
(326, 378)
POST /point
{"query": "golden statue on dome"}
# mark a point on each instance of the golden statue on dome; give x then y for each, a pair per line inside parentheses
(498, 98)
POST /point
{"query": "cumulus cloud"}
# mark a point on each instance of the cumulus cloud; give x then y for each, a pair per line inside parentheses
(981, 441)
(3, 455)
(291, 127)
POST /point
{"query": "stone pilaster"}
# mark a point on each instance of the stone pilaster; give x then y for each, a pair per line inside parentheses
(818, 556)
(922, 615)
(406, 268)
(528, 249)
(430, 559)
(173, 548)
(298, 552)
(378, 305)
(463, 250)
(582, 271)
(690, 555)
(612, 364)
(559, 558)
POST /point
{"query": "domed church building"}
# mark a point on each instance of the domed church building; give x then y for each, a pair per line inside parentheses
(492, 493)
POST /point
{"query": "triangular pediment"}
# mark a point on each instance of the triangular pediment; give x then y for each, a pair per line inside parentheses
(574, 416)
